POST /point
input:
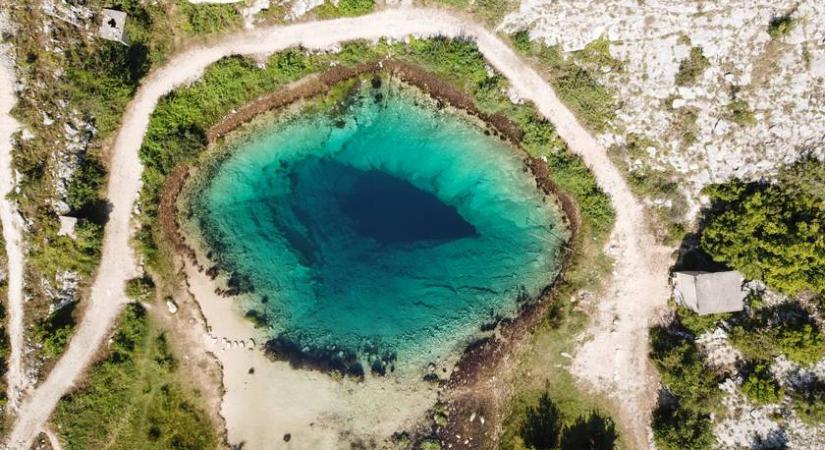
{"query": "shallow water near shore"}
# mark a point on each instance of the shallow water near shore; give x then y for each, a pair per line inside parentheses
(384, 235)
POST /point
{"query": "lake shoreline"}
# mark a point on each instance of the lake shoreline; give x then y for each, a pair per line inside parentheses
(476, 360)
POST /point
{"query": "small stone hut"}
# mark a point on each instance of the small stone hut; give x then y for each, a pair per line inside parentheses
(710, 292)
(113, 26)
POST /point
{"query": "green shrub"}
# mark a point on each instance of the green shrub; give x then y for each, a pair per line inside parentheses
(740, 112)
(760, 386)
(692, 67)
(430, 444)
(521, 41)
(773, 232)
(86, 184)
(55, 331)
(675, 428)
(56, 341)
(440, 414)
(780, 26)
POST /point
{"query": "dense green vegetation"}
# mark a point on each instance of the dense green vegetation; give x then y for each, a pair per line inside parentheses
(772, 231)
(680, 365)
(55, 330)
(573, 77)
(676, 428)
(692, 67)
(133, 399)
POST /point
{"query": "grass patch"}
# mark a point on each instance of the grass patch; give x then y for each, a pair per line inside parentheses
(740, 113)
(141, 289)
(345, 8)
(209, 18)
(133, 398)
(692, 67)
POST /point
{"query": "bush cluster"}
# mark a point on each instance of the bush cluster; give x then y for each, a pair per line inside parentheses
(772, 231)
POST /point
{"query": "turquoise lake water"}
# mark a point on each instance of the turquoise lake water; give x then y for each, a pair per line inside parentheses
(392, 230)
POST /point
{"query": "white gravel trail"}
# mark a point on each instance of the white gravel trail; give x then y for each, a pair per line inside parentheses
(640, 292)
(12, 231)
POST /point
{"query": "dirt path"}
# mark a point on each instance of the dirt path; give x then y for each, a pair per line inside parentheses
(633, 246)
(12, 232)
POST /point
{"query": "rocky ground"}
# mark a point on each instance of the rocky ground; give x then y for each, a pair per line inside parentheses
(693, 130)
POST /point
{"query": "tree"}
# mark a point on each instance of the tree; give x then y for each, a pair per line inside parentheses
(773, 232)
(542, 427)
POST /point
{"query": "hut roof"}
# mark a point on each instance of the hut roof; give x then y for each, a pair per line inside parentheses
(113, 26)
(710, 293)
